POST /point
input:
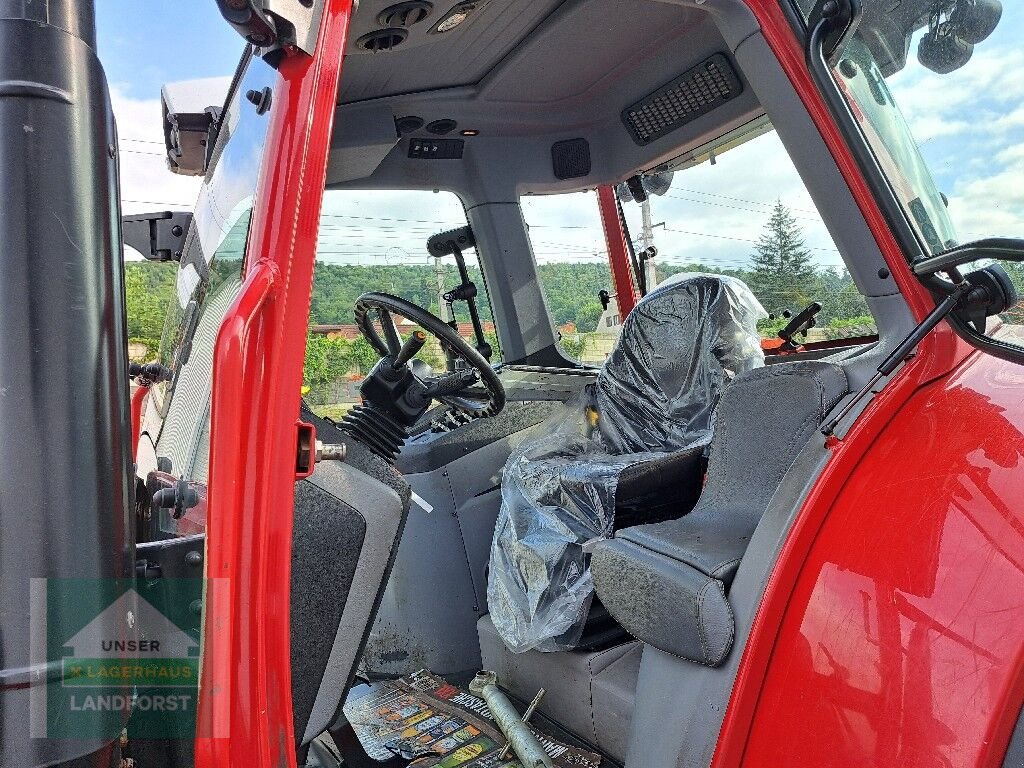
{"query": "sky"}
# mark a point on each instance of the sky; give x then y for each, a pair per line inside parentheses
(142, 45)
(969, 126)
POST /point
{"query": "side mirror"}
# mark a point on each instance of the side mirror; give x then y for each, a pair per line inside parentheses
(638, 188)
(191, 112)
(157, 236)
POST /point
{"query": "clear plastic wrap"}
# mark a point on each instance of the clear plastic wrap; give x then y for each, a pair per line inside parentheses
(655, 395)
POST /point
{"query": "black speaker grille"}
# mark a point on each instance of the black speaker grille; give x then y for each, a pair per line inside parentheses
(570, 159)
(682, 100)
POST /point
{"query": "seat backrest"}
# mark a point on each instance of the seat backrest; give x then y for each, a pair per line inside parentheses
(348, 519)
(678, 347)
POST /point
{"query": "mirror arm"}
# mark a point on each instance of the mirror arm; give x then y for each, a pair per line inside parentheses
(831, 23)
(157, 236)
(1004, 248)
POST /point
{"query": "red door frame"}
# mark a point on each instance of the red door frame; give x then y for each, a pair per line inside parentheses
(245, 703)
(618, 257)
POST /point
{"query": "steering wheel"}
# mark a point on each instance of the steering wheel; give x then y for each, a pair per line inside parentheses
(450, 388)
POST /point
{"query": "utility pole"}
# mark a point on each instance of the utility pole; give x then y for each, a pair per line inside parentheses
(647, 240)
(442, 306)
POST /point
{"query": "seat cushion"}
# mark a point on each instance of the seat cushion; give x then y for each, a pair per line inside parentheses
(590, 693)
(714, 550)
(667, 582)
(671, 606)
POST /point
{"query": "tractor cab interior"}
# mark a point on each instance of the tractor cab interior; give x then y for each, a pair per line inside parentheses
(420, 549)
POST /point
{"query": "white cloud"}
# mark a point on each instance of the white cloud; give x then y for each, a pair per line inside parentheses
(1014, 154)
(928, 127)
(971, 122)
(712, 214)
(990, 206)
(993, 73)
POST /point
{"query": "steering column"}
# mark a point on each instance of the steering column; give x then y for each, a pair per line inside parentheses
(399, 390)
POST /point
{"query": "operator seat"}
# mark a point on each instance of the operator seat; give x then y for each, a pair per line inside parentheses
(668, 583)
(574, 483)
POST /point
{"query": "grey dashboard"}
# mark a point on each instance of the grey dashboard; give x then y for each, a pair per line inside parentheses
(533, 394)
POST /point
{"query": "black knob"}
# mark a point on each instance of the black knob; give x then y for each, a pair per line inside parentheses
(409, 349)
(179, 497)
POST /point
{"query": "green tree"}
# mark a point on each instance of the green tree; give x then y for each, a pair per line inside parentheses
(783, 274)
(839, 297)
(574, 346)
(587, 316)
(148, 289)
(362, 355)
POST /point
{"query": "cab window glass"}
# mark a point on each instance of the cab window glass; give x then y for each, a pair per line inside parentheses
(203, 288)
(937, 92)
(715, 216)
(572, 264)
(376, 241)
(712, 215)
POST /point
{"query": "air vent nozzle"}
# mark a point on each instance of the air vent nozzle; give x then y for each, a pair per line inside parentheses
(405, 14)
(408, 124)
(382, 40)
(442, 127)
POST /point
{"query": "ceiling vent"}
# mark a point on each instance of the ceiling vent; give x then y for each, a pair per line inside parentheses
(405, 14)
(408, 124)
(682, 100)
(382, 40)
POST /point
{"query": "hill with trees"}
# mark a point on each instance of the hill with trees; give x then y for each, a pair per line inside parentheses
(781, 274)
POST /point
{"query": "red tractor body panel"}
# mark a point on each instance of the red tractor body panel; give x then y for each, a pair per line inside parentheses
(900, 645)
(245, 710)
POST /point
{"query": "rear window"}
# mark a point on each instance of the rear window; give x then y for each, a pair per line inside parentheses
(718, 217)
(572, 263)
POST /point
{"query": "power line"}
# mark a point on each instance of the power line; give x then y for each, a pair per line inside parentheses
(741, 239)
(152, 202)
(740, 199)
(141, 141)
(386, 218)
(816, 219)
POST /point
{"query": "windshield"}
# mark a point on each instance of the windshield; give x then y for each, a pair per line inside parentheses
(375, 240)
(897, 152)
(935, 88)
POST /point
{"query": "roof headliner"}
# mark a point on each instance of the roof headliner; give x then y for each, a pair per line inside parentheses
(527, 73)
